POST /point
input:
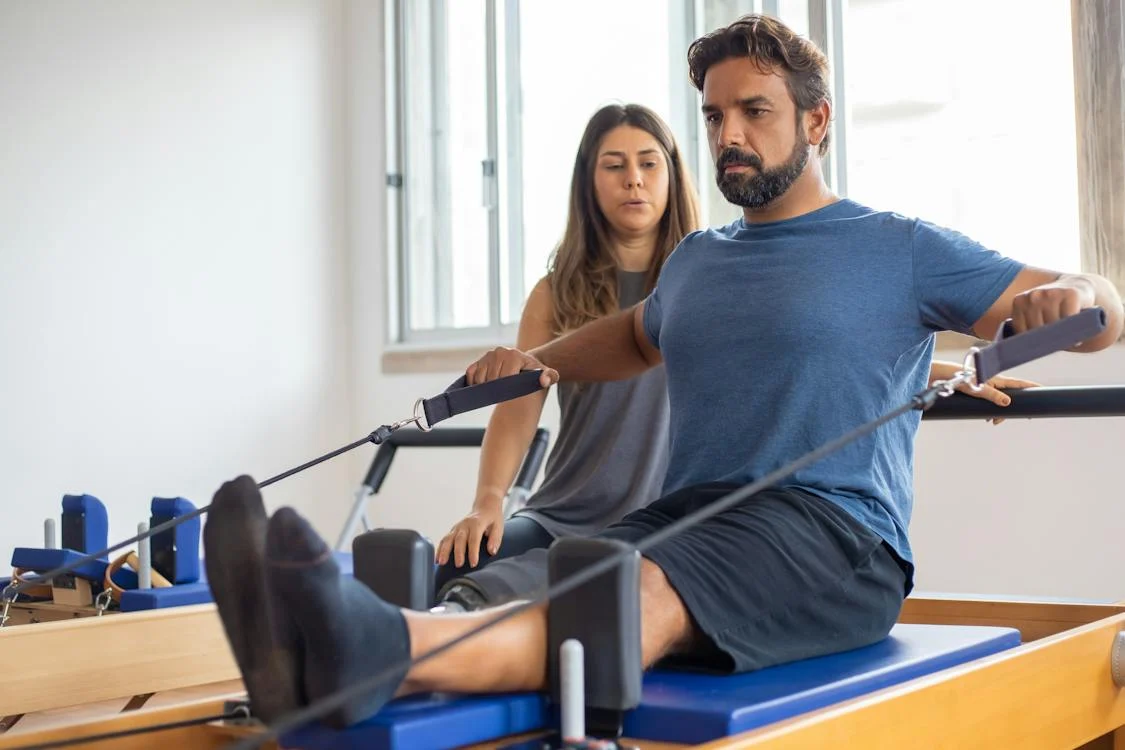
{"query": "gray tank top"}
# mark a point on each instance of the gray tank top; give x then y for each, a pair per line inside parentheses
(611, 451)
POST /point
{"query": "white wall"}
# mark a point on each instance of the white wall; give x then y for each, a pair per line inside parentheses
(1027, 507)
(173, 297)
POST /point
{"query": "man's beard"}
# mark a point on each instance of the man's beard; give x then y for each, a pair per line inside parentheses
(758, 190)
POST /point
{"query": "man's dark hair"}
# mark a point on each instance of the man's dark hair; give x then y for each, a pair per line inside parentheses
(772, 47)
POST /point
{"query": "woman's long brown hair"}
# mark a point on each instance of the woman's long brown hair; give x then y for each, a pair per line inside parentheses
(582, 271)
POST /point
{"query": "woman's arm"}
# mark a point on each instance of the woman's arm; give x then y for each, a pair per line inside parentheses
(506, 440)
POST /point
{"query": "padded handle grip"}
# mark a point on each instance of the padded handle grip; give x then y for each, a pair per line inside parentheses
(461, 397)
(1011, 349)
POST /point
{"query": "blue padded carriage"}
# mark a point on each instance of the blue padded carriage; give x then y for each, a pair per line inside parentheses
(678, 706)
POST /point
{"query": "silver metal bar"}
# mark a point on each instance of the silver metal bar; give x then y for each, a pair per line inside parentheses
(573, 691)
(144, 556)
(358, 503)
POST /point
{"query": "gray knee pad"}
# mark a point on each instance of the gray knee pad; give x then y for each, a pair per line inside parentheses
(460, 595)
(501, 581)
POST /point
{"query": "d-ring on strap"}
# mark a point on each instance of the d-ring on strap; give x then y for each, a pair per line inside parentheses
(461, 397)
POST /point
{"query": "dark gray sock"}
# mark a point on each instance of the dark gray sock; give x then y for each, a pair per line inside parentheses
(347, 632)
(234, 539)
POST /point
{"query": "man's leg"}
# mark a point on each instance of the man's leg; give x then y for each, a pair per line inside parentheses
(349, 634)
(515, 651)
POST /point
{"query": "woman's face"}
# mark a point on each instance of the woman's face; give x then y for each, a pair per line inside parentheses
(631, 181)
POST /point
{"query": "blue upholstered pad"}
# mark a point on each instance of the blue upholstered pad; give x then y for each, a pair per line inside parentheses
(681, 706)
(432, 721)
(179, 595)
(32, 558)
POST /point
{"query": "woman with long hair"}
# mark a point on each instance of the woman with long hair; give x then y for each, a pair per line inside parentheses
(631, 202)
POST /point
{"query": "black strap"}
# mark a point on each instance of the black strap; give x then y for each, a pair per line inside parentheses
(461, 397)
(1011, 349)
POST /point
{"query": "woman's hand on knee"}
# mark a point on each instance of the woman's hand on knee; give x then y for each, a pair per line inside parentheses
(464, 539)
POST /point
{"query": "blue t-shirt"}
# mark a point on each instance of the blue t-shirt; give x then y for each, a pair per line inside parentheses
(780, 337)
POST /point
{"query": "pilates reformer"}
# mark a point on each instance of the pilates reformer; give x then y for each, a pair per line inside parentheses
(953, 673)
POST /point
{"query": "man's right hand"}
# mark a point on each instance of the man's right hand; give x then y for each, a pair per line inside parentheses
(504, 361)
(464, 539)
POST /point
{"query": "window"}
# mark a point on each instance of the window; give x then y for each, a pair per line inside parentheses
(487, 101)
(943, 111)
(445, 214)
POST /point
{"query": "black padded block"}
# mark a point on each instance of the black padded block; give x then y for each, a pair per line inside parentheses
(604, 615)
(397, 564)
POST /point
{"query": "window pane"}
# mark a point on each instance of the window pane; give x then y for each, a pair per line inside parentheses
(466, 149)
(447, 139)
(418, 164)
(571, 63)
(967, 124)
(795, 14)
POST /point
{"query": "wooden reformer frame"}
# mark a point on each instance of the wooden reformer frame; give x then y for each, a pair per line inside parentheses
(85, 676)
(71, 679)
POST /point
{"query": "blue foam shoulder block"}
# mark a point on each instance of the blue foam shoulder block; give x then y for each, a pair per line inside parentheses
(85, 523)
(175, 552)
(32, 558)
(679, 706)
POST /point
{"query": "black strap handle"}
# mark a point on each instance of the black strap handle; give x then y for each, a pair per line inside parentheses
(1011, 349)
(461, 397)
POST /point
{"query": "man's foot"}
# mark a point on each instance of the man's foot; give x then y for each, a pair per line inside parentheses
(348, 633)
(234, 540)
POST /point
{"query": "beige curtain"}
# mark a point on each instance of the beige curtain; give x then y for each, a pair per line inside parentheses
(1099, 80)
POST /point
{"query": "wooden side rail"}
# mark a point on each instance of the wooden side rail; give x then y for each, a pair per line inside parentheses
(202, 737)
(66, 663)
(1054, 693)
(1034, 619)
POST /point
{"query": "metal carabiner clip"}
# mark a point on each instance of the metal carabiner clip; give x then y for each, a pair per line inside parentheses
(7, 603)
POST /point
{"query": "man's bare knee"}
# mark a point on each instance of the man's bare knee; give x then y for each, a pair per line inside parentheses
(666, 625)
